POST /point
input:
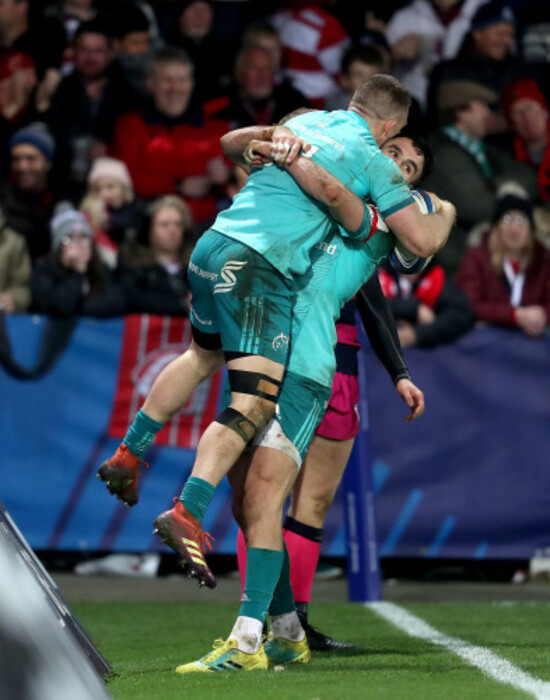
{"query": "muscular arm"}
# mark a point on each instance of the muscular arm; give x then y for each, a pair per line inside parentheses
(344, 206)
(235, 143)
(422, 234)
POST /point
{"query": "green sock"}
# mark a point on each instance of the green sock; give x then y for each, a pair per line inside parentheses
(283, 598)
(263, 567)
(141, 434)
(196, 496)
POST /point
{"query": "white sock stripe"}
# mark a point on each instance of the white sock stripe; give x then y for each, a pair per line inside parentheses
(486, 661)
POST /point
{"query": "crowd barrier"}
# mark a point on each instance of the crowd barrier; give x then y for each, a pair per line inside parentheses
(471, 479)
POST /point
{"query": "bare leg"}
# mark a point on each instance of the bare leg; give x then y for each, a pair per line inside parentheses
(319, 479)
(176, 383)
(220, 446)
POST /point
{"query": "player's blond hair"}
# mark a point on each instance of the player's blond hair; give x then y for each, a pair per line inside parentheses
(382, 97)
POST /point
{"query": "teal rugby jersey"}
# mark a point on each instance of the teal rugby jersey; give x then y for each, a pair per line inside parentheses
(340, 268)
(276, 218)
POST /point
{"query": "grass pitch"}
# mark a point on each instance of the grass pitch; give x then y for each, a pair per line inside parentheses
(144, 642)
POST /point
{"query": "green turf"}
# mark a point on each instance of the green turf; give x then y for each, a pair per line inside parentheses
(145, 642)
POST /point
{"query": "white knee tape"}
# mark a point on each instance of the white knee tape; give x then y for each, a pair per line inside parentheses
(272, 436)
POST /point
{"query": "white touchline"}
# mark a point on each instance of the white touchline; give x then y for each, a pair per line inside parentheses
(489, 663)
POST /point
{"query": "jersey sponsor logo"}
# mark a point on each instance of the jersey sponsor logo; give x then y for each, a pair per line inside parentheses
(228, 275)
(213, 276)
(327, 248)
(199, 319)
(280, 342)
(316, 133)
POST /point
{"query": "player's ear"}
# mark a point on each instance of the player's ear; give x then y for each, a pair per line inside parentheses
(389, 128)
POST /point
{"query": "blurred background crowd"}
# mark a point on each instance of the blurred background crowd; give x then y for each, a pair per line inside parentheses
(110, 164)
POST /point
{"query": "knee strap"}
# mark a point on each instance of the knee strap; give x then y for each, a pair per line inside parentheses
(254, 383)
(239, 423)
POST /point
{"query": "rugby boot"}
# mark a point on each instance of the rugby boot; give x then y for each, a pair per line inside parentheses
(121, 474)
(183, 533)
(285, 651)
(226, 656)
(317, 641)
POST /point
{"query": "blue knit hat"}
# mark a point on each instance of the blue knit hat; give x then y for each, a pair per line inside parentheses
(38, 135)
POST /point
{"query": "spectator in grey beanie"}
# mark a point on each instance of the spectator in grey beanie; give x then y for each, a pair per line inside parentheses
(71, 280)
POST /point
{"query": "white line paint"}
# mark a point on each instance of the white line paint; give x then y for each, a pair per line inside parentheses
(486, 661)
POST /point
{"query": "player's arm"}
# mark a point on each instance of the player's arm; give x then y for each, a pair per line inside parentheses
(235, 143)
(345, 207)
(379, 325)
(422, 234)
(243, 146)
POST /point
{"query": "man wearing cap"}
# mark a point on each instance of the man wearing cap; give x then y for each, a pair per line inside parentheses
(27, 197)
(486, 57)
(467, 170)
(527, 111)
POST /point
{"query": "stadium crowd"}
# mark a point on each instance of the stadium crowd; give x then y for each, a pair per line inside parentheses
(111, 168)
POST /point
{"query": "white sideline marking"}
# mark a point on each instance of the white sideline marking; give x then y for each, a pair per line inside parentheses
(488, 663)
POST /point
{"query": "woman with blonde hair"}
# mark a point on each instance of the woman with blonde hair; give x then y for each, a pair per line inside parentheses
(153, 267)
(507, 278)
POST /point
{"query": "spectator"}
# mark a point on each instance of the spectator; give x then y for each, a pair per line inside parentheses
(358, 64)
(467, 170)
(313, 45)
(192, 32)
(255, 98)
(486, 57)
(134, 48)
(71, 280)
(423, 33)
(428, 308)
(17, 84)
(527, 111)
(28, 199)
(265, 36)
(169, 147)
(86, 105)
(15, 271)
(71, 14)
(111, 207)
(42, 43)
(155, 268)
(507, 278)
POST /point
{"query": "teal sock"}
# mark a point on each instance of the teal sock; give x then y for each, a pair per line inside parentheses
(196, 496)
(263, 567)
(141, 434)
(283, 598)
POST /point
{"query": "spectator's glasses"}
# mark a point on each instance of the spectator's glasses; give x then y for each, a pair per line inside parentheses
(78, 238)
(515, 219)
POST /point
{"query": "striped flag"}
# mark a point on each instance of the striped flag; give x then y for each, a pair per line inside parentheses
(149, 344)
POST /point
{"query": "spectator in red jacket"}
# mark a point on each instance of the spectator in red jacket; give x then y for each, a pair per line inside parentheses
(507, 278)
(527, 111)
(169, 147)
(429, 309)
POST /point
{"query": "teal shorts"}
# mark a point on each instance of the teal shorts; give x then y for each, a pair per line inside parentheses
(239, 297)
(300, 407)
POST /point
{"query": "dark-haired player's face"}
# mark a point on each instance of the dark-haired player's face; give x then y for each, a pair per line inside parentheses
(407, 157)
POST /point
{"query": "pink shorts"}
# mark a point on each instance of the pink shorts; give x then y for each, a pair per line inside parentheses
(341, 421)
